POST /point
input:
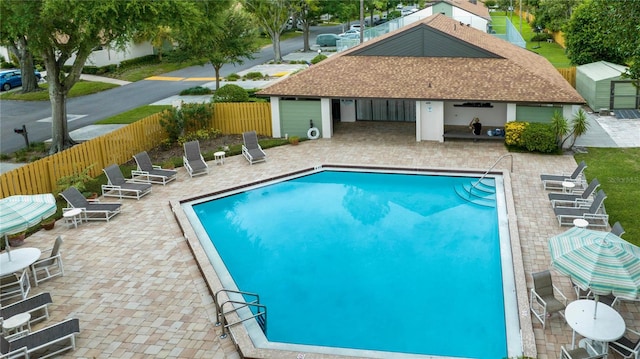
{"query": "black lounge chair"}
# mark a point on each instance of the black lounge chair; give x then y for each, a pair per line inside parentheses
(44, 343)
(93, 210)
(193, 160)
(148, 173)
(555, 181)
(251, 149)
(574, 199)
(37, 306)
(119, 187)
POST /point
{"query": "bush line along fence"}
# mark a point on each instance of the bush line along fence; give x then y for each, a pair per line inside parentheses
(120, 145)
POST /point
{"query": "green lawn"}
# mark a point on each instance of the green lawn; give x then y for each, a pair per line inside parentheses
(133, 115)
(81, 88)
(551, 51)
(618, 170)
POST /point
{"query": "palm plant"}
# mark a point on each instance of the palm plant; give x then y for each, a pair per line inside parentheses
(560, 128)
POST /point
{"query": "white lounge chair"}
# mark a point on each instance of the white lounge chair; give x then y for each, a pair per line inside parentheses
(119, 187)
(594, 214)
(92, 210)
(49, 267)
(555, 181)
(193, 160)
(150, 173)
(251, 149)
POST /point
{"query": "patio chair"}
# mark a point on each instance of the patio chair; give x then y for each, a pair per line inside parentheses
(581, 293)
(150, 173)
(251, 149)
(50, 267)
(93, 210)
(594, 214)
(37, 306)
(555, 181)
(15, 285)
(574, 199)
(581, 353)
(44, 343)
(193, 160)
(628, 346)
(119, 187)
(617, 229)
(543, 300)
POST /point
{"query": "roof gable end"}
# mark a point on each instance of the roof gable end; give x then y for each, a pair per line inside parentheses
(423, 41)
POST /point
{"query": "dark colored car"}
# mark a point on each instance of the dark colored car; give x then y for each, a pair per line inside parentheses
(13, 78)
(327, 39)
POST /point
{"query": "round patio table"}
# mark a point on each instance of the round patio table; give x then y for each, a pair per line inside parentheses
(20, 258)
(607, 325)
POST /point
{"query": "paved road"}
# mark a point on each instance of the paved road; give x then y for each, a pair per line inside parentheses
(86, 110)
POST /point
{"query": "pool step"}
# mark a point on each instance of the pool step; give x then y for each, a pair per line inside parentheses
(481, 193)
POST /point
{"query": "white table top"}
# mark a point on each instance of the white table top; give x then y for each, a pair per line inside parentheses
(219, 153)
(20, 258)
(582, 223)
(72, 212)
(568, 184)
(16, 321)
(606, 327)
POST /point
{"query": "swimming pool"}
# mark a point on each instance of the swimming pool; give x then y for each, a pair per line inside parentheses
(414, 287)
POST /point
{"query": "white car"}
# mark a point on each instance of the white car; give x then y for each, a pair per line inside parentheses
(349, 32)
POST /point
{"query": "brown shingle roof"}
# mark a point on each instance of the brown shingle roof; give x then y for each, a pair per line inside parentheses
(517, 75)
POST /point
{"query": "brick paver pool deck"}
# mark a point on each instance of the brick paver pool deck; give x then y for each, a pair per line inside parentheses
(135, 286)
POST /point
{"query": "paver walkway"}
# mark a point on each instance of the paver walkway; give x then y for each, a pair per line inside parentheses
(135, 287)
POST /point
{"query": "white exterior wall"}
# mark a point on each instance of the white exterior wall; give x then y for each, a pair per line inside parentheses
(489, 116)
(275, 117)
(325, 111)
(568, 111)
(511, 112)
(4, 52)
(108, 56)
(429, 121)
(466, 17)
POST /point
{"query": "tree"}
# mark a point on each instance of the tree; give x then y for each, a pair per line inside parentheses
(157, 35)
(306, 11)
(222, 35)
(605, 30)
(554, 14)
(61, 30)
(272, 16)
(12, 34)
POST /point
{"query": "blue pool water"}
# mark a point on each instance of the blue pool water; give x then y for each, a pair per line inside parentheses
(385, 262)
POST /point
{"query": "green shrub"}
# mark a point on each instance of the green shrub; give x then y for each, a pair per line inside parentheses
(543, 36)
(190, 117)
(198, 90)
(142, 60)
(318, 58)
(254, 76)
(200, 135)
(231, 93)
(539, 137)
(233, 77)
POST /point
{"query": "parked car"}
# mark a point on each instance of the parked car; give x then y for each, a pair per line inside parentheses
(355, 27)
(13, 78)
(351, 31)
(327, 39)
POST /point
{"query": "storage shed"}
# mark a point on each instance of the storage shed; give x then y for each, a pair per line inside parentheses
(603, 87)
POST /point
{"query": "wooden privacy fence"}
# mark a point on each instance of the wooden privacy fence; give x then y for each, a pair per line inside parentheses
(120, 145)
(569, 73)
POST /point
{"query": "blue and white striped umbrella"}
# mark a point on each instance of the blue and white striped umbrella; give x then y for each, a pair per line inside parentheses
(17, 213)
(598, 261)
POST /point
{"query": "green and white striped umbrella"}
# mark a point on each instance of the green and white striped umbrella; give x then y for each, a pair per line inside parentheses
(17, 213)
(599, 261)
